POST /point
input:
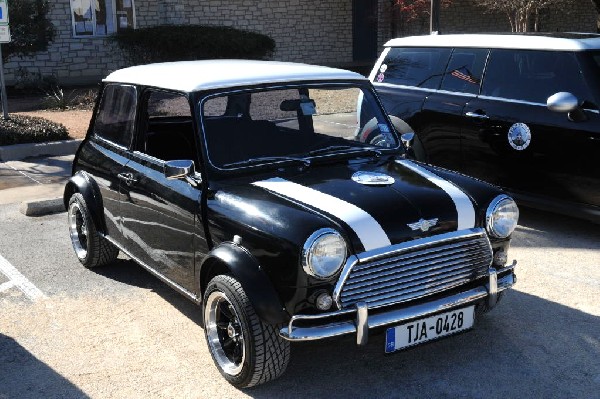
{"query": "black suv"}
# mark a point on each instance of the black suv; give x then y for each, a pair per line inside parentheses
(519, 111)
(240, 184)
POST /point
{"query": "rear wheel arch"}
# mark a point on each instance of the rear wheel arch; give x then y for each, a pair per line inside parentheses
(83, 184)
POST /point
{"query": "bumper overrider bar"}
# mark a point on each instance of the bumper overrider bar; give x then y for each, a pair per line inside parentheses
(360, 321)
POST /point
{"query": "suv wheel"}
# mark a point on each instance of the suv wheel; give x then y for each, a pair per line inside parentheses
(90, 247)
(246, 351)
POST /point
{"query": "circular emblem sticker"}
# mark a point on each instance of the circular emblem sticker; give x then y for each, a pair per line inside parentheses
(519, 136)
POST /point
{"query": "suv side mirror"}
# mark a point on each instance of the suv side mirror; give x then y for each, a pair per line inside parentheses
(182, 169)
(562, 102)
(566, 102)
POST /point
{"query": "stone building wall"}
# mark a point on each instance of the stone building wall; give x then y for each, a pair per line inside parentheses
(304, 31)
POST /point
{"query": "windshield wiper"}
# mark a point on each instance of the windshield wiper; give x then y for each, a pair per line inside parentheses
(343, 149)
(266, 160)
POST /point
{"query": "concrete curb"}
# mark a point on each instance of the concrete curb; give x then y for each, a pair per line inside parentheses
(42, 207)
(17, 152)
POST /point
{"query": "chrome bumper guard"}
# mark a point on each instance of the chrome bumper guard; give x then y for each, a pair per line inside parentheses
(362, 321)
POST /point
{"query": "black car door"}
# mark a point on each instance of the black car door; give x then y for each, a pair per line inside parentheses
(510, 137)
(441, 118)
(109, 149)
(161, 217)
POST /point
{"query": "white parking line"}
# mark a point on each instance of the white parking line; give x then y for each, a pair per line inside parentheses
(18, 280)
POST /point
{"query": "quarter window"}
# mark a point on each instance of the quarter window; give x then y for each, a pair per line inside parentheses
(116, 115)
(464, 70)
(531, 75)
(101, 17)
(419, 67)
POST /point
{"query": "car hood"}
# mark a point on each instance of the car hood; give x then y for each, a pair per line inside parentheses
(397, 200)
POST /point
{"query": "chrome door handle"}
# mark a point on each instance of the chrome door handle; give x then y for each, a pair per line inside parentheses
(476, 115)
(127, 178)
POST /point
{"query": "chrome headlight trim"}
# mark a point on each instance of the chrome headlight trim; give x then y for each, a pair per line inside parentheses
(308, 253)
(491, 221)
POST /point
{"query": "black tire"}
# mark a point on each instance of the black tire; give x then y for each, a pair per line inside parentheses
(91, 248)
(246, 351)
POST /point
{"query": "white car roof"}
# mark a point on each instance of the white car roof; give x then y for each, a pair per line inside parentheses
(190, 76)
(554, 41)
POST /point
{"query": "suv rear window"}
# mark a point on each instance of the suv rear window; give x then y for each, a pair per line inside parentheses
(419, 67)
(531, 75)
(464, 71)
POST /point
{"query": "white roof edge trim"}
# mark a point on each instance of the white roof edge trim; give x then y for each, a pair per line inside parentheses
(521, 42)
(189, 76)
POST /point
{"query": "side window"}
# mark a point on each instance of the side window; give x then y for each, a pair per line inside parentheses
(168, 132)
(115, 119)
(529, 75)
(419, 67)
(464, 71)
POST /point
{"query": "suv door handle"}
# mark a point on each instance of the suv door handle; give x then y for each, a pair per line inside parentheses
(127, 178)
(476, 115)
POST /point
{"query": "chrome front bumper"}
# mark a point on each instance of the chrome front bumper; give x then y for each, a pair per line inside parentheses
(360, 321)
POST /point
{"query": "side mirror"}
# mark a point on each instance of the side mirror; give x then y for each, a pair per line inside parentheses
(408, 140)
(182, 169)
(562, 102)
(566, 102)
(178, 169)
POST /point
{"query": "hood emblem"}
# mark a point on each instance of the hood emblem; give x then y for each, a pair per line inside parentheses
(423, 224)
(372, 178)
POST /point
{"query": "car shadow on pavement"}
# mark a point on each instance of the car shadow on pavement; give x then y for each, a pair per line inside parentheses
(538, 228)
(19, 369)
(128, 272)
(527, 347)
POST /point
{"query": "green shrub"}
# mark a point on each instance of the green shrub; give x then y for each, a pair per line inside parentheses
(20, 129)
(191, 42)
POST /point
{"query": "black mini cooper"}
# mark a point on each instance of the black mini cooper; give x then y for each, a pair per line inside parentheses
(242, 186)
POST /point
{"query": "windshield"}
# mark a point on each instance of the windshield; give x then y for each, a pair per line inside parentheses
(284, 125)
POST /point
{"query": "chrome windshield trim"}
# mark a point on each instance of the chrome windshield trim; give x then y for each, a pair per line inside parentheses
(375, 254)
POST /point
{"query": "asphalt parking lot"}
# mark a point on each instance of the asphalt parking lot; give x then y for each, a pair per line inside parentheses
(117, 332)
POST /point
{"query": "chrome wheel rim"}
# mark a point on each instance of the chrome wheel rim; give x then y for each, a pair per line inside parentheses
(78, 230)
(224, 333)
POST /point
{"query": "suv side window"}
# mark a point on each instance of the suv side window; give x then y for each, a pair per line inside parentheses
(115, 119)
(464, 71)
(419, 67)
(532, 75)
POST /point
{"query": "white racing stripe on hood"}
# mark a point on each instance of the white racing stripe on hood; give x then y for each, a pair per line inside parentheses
(464, 206)
(367, 229)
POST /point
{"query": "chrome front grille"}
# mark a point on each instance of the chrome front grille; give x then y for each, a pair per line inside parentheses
(415, 269)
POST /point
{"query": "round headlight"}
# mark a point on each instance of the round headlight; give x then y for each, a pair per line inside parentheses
(324, 253)
(502, 216)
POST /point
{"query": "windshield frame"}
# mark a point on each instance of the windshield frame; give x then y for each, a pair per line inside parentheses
(365, 88)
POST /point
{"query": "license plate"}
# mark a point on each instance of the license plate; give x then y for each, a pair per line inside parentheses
(423, 330)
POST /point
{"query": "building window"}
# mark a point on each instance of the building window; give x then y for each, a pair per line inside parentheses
(101, 17)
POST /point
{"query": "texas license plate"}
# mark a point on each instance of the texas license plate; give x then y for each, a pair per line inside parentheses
(434, 327)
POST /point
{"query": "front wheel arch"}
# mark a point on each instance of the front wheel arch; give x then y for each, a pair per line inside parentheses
(234, 260)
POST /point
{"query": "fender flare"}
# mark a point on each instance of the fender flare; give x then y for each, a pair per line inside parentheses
(81, 183)
(237, 261)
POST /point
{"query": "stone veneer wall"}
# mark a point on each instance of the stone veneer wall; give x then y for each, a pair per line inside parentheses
(464, 16)
(304, 31)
